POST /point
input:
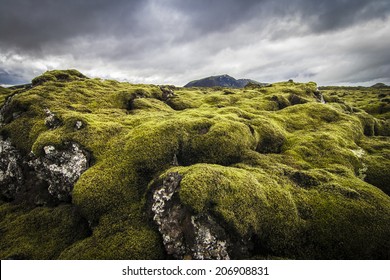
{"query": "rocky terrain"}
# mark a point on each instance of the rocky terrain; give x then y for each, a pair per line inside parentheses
(98, 169)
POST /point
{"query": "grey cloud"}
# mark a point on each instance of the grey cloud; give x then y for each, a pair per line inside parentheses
(32, 24)
(319, 15)
(7, 78)
(335, 14)
(29, 25)
(174, 41)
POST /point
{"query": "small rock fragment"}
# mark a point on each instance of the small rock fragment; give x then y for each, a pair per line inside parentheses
(51, 120)
(79, 125)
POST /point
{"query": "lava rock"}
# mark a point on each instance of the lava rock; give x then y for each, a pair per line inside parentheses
(61, 169)
(11, 173)
(295, 99)
(166, 92)
(186, 235)
(51, 120)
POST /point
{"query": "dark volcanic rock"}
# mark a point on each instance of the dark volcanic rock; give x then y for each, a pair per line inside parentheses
(186, 235)
(51, 120)
(61, 169)
(296, 99)
(41, 180)
(167, 92)
(11, 173)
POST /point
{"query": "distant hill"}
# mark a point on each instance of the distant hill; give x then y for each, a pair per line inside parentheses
(379, 85)
(222, 81)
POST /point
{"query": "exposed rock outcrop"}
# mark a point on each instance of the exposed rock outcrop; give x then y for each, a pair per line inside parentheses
(167, 92)
(61, 169)
(56, 171)
(186, 235)
(11, 173)
(320, 98)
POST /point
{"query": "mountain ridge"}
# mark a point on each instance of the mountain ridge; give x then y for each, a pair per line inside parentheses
(222, 81)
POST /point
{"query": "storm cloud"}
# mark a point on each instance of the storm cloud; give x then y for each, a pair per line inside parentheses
(174, 41)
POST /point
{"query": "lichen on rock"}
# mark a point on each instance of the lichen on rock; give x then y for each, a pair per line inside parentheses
(51, 120)
(210, 239)
(11, 174)
(185, 234)
(61, 168)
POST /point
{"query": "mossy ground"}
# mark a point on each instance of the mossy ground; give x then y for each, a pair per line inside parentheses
(373, 100)
(4, 92)
(39, 233)
(271, 163)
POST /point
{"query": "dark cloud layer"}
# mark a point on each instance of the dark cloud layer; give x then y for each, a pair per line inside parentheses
(320, 15)
(28, 25)
(10, 78)
(177, 40)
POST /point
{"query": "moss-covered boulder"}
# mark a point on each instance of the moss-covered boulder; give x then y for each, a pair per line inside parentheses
(58, 75)
(167, 172)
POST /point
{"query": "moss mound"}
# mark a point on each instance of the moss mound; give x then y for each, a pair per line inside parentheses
(58, 75)
(304, 215)
(272, 165)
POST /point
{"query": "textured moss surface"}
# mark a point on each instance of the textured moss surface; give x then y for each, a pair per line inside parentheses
(4, 92)
(272, 164)
(373, 100)
(39, 233)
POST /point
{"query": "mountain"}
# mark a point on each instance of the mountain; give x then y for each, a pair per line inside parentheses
(380, 85)
(221, 81)
(99, 169)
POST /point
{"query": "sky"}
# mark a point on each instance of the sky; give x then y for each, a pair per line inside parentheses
(331, 42)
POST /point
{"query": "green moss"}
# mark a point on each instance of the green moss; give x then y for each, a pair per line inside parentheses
(306, 221)
(118, 237)
(271, 164)
(4, 93)
(57, 75)
(343, 216)
(223, 142)
(25, 127)
(269, 135)
(371, 100)
(247, 202)
(40, 233)
(378, 172)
